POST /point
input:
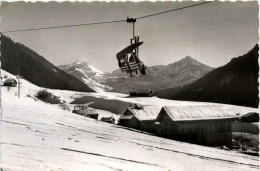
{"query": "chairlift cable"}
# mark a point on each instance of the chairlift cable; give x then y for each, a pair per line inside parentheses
(151, 15)
(64, 26)
(105, 22)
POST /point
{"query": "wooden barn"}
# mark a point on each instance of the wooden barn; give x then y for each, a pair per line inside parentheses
(203, 124)
(141, 118)
(10, 82)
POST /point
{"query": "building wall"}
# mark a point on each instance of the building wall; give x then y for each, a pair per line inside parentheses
(204, 132)
(148, 126)
(131, 123)
(93, 116)
(13, 84)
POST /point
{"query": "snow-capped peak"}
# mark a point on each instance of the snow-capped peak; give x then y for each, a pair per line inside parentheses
(95, 70)
(87, 74)
(79, 63)
(85, 66)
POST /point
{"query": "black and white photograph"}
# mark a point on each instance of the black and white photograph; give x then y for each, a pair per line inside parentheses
(129, 85)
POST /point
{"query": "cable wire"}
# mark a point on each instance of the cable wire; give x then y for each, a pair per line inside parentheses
(172, 10)
(64, 26)
(105, 22)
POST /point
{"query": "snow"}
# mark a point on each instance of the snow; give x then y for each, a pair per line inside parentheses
(164, 102)
(95, 85)
(40, 136)
(92, 83)
(78, 62)
(80, 70)
(95, 70)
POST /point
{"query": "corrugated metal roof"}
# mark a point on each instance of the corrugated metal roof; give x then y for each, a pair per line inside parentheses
(146, 113)
(203, 112)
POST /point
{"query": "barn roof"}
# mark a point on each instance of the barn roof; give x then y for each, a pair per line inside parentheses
(146, 112)
(199, 112)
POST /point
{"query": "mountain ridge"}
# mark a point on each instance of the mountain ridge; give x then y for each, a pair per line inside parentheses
(17, 59)
(234, 83)
(158, 77)
(87, 73)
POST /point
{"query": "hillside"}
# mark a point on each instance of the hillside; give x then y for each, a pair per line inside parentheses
(180, 73)
(87, 74)
(169, 92)
(16, 58)
(234, 83)
(39, 135)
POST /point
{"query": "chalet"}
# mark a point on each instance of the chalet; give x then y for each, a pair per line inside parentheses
(140, 117)
(201, 124)
(86, 111)
(91, 113)
(10, 82)
(108, 119)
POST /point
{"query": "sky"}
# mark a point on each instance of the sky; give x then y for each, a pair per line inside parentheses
(212, 33)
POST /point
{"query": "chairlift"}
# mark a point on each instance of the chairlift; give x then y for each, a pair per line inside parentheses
(128, 58)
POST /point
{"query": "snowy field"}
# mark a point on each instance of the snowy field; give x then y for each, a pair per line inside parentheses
(40, 136)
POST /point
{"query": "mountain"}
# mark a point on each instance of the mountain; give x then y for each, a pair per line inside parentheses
(17, 58)
(87, 74)
(169, 92)
(234, 83)
(180, 73)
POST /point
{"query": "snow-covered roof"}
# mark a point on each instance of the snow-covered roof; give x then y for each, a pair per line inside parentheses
(199, 112)
(90, 111)
(9, 80)
(146, 112)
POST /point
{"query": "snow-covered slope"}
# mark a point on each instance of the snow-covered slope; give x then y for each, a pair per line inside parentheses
(86, 73)
(180, 73)
(29, 89)
(40, 136)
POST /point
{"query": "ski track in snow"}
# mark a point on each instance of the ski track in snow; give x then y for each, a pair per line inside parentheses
(40, 136)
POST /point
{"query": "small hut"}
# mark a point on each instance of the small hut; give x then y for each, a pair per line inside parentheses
(11, 82)
(203, 124)
(86, 111)
(140, 117)
(91, 113)
(108, 119)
